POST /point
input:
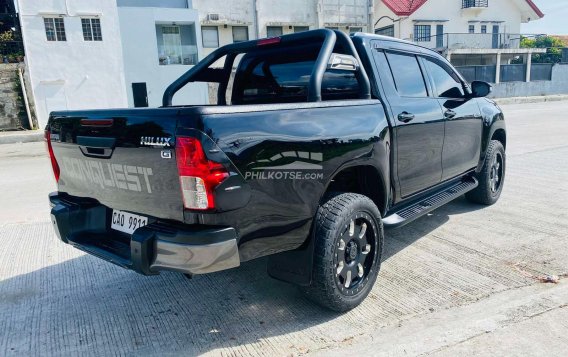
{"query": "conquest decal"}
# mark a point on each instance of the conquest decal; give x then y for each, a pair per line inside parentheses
(107, 175)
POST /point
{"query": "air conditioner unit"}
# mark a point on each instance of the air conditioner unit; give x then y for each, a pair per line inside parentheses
(213, 17)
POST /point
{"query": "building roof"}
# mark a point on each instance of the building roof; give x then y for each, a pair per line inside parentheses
(408, 7)
(404, 7)
(535, 8)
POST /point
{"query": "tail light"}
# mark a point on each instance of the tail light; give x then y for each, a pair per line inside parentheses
(198, 175)
(54, 163)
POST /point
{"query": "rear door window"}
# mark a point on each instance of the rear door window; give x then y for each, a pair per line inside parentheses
(407, 75)
(285, 79)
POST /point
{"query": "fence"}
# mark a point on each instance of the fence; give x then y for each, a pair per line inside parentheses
(513, 72)
(509, 72)
(541, 72)
(557, 85)
(474, 3)
(470, 40)
(478, 73)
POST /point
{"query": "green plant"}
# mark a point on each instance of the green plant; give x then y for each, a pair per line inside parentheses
(553, 47)
(6, 36)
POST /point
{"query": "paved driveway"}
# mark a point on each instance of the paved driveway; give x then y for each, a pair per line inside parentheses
(463, 280)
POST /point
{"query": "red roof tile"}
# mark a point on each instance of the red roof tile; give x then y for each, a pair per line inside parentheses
(535, 8)
(404, 7)
(408, 7)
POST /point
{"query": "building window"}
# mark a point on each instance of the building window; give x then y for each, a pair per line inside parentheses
(355, 29)
(176, 44)
(273, 31)
(471, 28)
(422, 33)
(54, 29)
(483, 28)
(385, 31)
(210, 35)
(91, 29)
(240, 33)
(301, 28)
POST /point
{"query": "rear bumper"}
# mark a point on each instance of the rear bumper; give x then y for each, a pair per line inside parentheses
(156, 247)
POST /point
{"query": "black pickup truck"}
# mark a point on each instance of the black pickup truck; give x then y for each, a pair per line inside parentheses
(318, 141)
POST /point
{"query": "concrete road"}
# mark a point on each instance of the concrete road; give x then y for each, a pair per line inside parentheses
(465, 280)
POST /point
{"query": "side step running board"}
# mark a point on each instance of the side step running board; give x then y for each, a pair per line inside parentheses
(410, 213)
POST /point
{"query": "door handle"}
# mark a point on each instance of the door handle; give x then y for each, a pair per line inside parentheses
(405, 117)
(450, 114)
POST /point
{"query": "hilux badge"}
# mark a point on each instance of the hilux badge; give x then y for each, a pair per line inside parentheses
(155, 141)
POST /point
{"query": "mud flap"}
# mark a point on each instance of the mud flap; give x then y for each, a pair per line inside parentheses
(294, 266)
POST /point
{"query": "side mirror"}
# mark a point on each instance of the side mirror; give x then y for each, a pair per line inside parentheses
(480, 89)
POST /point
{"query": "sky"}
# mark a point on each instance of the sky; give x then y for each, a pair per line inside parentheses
(555, 20)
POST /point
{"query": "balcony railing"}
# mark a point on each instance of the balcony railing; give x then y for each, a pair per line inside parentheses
(467, 4)
(470, 40)
(184, 55)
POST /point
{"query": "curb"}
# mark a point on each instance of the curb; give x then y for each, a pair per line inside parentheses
(28, 136)
(535, 99)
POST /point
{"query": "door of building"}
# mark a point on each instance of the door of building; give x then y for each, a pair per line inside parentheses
(439, 36)
(495, 36)
(140, 94)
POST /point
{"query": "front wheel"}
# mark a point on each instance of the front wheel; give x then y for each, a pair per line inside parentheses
(492, 176)
(349, 238)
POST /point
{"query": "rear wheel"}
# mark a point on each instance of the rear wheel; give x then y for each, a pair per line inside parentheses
(492, 176)
(348, 237)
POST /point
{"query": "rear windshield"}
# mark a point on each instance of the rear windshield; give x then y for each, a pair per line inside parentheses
(277, 77)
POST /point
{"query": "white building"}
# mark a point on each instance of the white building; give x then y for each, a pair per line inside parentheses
(159, 44)
(108, 53)
(228, 21)
(124, 53)
(425, 20)
(467, 32)
(73, 54)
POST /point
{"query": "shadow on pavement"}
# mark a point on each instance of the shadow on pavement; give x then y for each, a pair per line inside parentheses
(85, 304)
(398, 239)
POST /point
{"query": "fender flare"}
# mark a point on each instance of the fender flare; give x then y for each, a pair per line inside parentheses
(296, 266)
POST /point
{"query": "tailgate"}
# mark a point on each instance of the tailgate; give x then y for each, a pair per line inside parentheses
(125, 159)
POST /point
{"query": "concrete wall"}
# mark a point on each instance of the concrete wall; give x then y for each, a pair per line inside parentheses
(287, 14)
(140, 50)
(231, 13)
(11, 107)
(558, 85)
(73, 74)
(507, 14)
(181, 4)
(258, 14)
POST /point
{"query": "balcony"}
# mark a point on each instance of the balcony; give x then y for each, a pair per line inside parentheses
(474, 4)
(471, 40)
(180, 55)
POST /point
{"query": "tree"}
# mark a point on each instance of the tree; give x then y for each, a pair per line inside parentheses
(553, 47)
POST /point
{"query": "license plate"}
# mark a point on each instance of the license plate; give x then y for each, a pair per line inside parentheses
(127, 222)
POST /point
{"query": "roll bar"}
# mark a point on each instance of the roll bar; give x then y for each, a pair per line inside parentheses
(329, 37)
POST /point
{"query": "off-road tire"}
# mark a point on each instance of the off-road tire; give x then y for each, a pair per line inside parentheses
(486, 193)
(333, 225)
